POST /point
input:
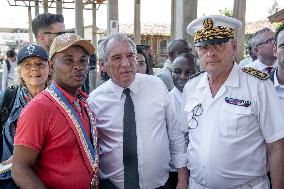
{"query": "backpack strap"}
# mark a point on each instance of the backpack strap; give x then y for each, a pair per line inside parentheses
(6, 106)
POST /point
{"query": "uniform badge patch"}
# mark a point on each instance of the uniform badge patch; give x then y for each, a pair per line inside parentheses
(256, 73)
(237, 102)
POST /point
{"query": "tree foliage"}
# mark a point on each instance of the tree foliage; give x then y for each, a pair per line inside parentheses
(274, 8)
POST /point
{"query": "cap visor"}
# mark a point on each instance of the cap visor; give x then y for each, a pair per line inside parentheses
(211, 42)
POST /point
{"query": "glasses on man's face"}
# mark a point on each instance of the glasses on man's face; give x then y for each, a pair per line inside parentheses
(197, 111)
(39, 65)
(55, 33)
(268, 41)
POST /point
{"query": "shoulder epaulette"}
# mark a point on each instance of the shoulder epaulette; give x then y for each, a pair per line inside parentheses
(256, 73)
(197, 74)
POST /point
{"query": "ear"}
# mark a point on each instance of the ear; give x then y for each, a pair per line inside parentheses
(51, 68)
(274, 49)
(41, 37)
(102, 66)
(172, 56)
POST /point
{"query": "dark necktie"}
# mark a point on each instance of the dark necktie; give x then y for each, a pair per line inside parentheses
(269, 69)
(130, 160)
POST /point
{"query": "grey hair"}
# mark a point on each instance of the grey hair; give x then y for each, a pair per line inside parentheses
(255, 39)
(20, 81)
(102, 53)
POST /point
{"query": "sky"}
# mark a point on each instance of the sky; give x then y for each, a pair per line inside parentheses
(152, 11)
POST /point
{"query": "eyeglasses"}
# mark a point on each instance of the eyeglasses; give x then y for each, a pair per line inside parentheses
(197, 111)
(268, 41)
(40, 65)
(55, 33)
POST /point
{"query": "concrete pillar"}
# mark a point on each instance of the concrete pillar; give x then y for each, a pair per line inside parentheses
(30, 24)
(36, 8)
(59, 6)
(93, 72)
(173, 20)
(186, 11)
(112, 16)
(137, 23)
(239, 13)
(79, 19)
(45, 5)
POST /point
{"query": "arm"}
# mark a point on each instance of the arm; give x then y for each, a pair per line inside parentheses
(4, 76)
(22, 170)
(182, 178)
(276, 151)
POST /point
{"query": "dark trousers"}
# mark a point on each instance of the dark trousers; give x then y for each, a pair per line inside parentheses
(107, 184)
(173, 180)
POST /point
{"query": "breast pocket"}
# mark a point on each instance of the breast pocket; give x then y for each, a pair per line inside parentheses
(193, 112)
(234, 120)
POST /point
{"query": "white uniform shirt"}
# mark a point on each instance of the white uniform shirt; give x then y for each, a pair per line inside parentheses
(245, 61)
(158, 136)
(280, 90)
(228, 146)
(260, 66)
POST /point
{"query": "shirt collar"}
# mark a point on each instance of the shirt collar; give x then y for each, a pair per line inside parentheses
(262, 66)
(276, 82)
(68, 96)
(232, 80)
(119, 90)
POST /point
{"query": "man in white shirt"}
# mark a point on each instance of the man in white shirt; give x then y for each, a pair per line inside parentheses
(278, 75)
(262, 43)
(175, 48)
(233, 115)
(9, 70)
(158, 135)
(251, 56)
(184, 67)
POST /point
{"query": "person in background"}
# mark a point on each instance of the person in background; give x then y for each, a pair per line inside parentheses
(46, 27)
(184, 67)
(277, 76)
(262, 45)
(233, 115)
(9, 69)
(56, 140)
(251, 56)
(136, 144)
(175, 48)
(149, 57)
(142, 62)
(33, 76)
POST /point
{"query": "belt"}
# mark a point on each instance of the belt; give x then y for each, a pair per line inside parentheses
(249, 185)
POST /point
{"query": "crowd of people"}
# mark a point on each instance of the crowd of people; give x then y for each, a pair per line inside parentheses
(204, 121)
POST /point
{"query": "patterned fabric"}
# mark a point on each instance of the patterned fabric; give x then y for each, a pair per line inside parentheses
(24, 96)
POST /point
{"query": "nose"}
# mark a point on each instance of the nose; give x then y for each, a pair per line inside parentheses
(125, 61)
(211, 51)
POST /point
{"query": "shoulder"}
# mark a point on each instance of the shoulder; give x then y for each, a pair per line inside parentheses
(196, 75)
(256, 73)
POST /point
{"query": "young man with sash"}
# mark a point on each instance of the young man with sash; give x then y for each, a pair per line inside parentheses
(56, 139)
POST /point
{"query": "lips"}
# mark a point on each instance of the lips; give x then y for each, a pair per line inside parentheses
(79, 76)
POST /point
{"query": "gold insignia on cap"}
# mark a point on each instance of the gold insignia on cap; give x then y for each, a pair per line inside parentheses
(256, 73)
(208, 23)
(209, 32)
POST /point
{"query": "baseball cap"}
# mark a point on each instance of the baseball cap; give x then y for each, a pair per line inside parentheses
(213, 29)
(64, 41)
(31, 51)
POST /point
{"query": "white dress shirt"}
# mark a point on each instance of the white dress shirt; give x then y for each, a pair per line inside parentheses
(258, 65)
(176, 95)
(228, 146)
(279, 90)
(159, 138)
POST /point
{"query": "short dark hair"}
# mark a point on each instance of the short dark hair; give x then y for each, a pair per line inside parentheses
(43, 21)
(10, 53)
(281, 28)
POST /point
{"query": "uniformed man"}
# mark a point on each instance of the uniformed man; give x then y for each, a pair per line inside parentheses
(233, 115)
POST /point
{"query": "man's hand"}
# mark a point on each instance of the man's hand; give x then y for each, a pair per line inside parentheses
(182, 178)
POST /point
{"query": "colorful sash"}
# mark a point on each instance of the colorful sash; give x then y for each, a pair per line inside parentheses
(88, 149)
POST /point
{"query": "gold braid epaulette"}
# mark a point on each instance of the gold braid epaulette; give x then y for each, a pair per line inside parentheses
(256, 73)
(195, 75)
